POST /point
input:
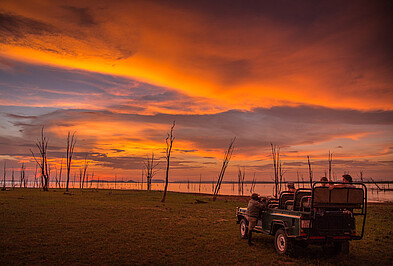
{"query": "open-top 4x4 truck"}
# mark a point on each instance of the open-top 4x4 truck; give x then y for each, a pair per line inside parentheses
(323, 215)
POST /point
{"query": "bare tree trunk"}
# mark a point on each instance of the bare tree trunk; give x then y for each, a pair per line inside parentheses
(71, 140)
(309, 170)
(35, 178)
(200, 182)
(22, 176)
(227, 158)
(277, 169)
(330, 165)
(149, 169)
(13, 178)
(169, 142)
(42, 146)
(60, 172)
(241, 175)
(5, 173)
(253, 183)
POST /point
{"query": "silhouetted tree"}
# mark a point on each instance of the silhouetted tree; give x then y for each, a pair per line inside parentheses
(310, 170)
(241, 176)
(330, 165)
(42, 145)
(227, 158)
(82, 173)
(149, 169)
(71, 141)
(169, 142)
(4, 174)
(277, 166)
(22, 176)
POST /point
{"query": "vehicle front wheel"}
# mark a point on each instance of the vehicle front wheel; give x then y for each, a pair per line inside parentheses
(243, 228)
(283, 244)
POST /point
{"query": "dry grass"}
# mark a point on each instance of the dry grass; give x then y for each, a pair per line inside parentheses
(134, 227)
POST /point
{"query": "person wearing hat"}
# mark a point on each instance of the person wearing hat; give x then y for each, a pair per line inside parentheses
(291, 187)
(253, 209)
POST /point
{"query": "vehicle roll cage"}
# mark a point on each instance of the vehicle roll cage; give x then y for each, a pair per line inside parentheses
(327, 197)
(340, 197)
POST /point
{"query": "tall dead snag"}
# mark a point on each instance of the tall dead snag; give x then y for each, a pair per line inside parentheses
(240, 177)
(82, 173)
(169, 142)
(71, 140)
(23, 176)
(12, 178)
(149, 169)
(309, 170)
(253, 183)
(42, 163)
(330, 165)
(278, 173)
(5, 173)
(227, 158)
(61, 170)
(200, 182)
(35, 178)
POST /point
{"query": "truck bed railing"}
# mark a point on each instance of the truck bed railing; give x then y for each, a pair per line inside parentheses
(341, 197)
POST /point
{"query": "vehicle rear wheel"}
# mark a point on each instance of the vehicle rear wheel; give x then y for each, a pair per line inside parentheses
(283, 244)
(243, 228)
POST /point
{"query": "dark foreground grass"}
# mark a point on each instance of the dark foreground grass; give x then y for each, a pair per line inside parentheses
(134, 227)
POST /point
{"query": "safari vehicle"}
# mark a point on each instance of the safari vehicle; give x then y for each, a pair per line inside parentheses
(319, 215)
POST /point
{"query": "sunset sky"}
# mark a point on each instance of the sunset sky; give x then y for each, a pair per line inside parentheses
(308, 76)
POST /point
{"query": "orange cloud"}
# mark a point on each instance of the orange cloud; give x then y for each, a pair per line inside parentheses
(234, 61)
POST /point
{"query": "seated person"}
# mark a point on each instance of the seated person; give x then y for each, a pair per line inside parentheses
(291, 187)
(324, 179)
(347, 179)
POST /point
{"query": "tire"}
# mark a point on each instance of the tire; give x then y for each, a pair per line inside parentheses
(283, 244)
(243, 228)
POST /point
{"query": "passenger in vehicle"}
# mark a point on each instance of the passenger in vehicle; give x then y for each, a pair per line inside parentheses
(324, 179)
(347, 180)
(291, 187)
(252, 214)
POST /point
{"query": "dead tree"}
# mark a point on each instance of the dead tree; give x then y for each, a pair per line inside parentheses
(330, 166)
(71, 141)
(240, 177)
(227, 158)
(277, 169)
(22, 176)
(35, 178)
(200, 182)
(60, 172)
(42, 163)
(149, 170)
(82, 173)
(310, 170)
(169, 142)
(253, 183)
(5, 173)
(12, 178)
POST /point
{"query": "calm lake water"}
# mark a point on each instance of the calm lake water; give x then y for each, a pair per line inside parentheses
(232, 189)
(226, 188)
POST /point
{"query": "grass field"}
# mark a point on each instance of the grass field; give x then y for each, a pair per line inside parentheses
(134, 227)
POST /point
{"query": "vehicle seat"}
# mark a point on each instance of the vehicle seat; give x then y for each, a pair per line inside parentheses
(284, 197)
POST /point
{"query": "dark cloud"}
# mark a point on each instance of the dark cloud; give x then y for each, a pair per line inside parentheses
(13, 27)
(82, 16)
